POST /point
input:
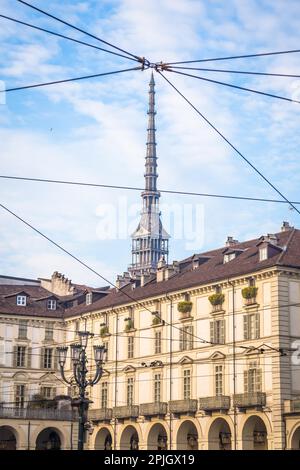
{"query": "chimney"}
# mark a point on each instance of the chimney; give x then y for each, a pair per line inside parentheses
(160, 273)
(123, 280)
(171, 269)
(286, 226)
(271, 238)
(231, 242)
(145, 277)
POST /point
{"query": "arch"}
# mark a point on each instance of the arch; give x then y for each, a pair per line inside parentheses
(49, 439)
(157, 437)
(187, 436)
(219, 435)
(8, 438)
(130, 438)
(103, 439)
(295, 439)
(254, 434)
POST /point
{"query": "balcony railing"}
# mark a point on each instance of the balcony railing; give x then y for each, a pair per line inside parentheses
(153, 409)
(126, 412)
(183, 406)
(104, 414)
(220, 402)
(295, 406)
(38, 413)
(248, 400)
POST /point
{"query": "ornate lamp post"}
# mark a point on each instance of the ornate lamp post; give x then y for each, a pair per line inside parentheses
(78, 362)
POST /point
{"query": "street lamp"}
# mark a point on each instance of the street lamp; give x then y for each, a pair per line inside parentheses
(78, 363)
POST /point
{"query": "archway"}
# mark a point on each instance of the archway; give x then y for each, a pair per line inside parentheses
(157, 438)
(48, 439)
(103, 440)
(295, 442)
(219, 435)
(129, 439)
(187, 436)
(8, 440)
(255, 434)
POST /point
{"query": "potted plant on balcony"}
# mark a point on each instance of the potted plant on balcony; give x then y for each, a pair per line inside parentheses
(103, 330)
(216, 301)
(129, 324)
(249, 294)
(185, 308)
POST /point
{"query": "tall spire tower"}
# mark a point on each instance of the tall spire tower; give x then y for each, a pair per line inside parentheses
(150, 240)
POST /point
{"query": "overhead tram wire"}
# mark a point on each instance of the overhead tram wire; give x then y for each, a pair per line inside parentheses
(246, 56)
(60, 247)
(233, 86)
(134, 188)
(229, 143)
(241, 72)
(79, 29)
(66, 37)
(26, 87)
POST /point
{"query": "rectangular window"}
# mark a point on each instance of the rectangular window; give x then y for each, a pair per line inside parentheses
(23, 329)
(48, 358)
(217, 332)
(105, 344)
(48, 392)
(253, 378)
(157, 345)
(157, 388)
(21, 356)
(49, 331)
(51, 304)
(21, 300)
(252, 326)
(130, 347)
(20, 396)
(263, 253)
(89, 298)
(130, 391)
(186, 384)
(186, 338)
(77, 327)
(218, 380)
(104, 395)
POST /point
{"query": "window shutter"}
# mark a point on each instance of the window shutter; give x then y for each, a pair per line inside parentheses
(181, 339)
(222, 332)
(257, 325)
(212, 332)
(246, 381)
(55, 358)
(29, 354)
(190, 337)
(42, 358)
(246, 327)
(15, 356)
(258, 380)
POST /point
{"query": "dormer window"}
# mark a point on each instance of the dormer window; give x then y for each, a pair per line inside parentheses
(21, 300)
(51, 304)
(263, 253)
(89, 298)
(229, 257)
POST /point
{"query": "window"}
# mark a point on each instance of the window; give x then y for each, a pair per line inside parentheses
(51, 304)
(229, 257)
(77, 327)
(157, 388)
(186, 384)
(21, 300)
(130, 391)
(186, 338)
(89, 298)
(263, 253)
(23, 329)
(252, 326)
(253, 378)
(47, 358)
(130, 347)
(48, 392)
(217, 331)
(21, 356)
(20, 396)
(157, 344)
(104, 395)
(105, 344)
(218, 380)
(49, 331)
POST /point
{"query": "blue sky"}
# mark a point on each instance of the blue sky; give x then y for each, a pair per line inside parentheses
(99, 128)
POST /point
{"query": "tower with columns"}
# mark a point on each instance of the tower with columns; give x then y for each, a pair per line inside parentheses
(150, 240)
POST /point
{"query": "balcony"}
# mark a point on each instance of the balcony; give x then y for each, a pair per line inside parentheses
(153, 409)
(103, 414)
(126, 412)
(183, 407)
(292, 406)
(216, 403)
(38, 413)
(250, 400)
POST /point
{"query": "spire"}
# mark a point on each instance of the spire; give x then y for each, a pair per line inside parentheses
(151, 159)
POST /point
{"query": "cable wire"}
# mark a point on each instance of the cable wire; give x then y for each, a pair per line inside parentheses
(65, 37)
(230, 144)
(79, 29)
(261, 54)
(69, 80)
(243, 72)
(234, 86)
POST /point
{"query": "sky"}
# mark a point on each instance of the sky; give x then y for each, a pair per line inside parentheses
(95, 130)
